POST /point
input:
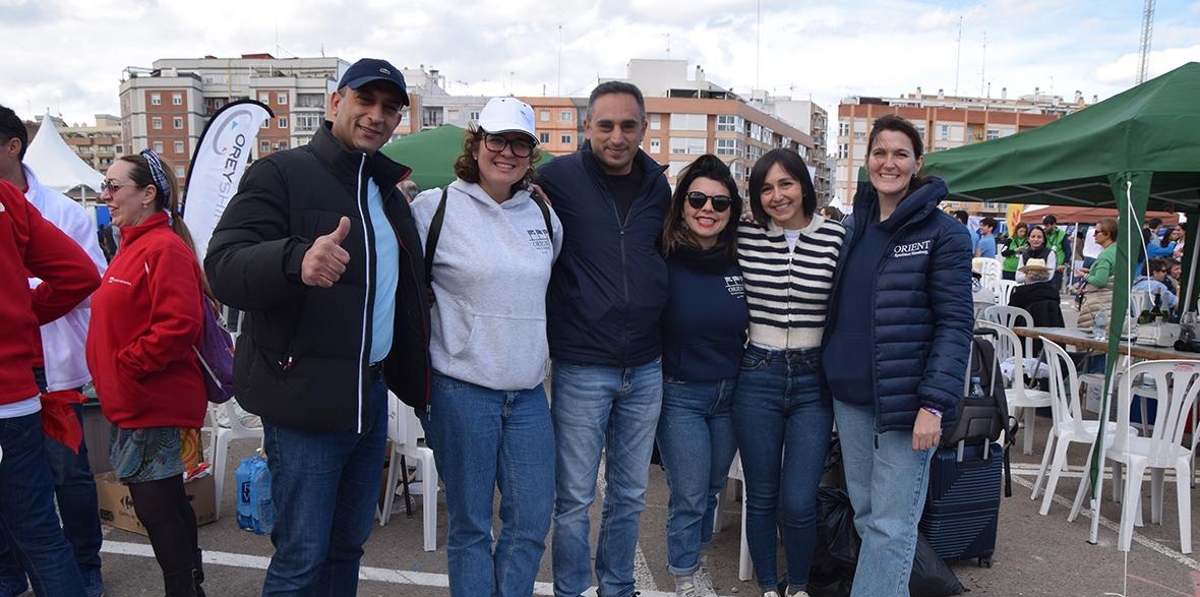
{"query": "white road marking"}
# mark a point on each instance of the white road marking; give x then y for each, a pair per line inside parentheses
(385, 575)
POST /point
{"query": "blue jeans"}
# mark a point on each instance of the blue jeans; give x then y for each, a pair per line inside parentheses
(783, 428)
(883, 465)
(75, 490)
(324, 485)
(695, 440)
(486, 439)
(601, 409)
(28, 521)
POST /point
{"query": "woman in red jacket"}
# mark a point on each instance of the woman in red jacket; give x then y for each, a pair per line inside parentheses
(146, 317)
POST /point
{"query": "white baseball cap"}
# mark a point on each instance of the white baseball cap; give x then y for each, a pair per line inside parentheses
(507, 115)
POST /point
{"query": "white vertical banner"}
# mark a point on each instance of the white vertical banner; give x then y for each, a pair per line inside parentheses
(218, 164)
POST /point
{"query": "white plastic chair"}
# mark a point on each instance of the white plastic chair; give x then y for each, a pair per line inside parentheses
(988, 269)
(1021, 400)
(745, 566)
(1003, 290)
(1011, 317)
(1177, 383)
(404, 429)
(1069, 425)
(221, 436)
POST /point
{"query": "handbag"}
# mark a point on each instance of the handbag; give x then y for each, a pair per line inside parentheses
(215, 353)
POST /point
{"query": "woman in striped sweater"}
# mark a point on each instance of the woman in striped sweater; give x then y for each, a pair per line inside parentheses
(788, 255)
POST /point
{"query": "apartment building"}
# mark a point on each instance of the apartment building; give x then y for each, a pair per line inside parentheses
(165, 107)
(945, 122)
(687, 117)
(97, 145)
(811, 119)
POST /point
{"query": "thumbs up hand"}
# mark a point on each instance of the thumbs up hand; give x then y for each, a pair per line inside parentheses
(325, 261)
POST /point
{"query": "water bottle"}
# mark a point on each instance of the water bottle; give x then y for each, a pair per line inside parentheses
(255, 509)
(976, 388)
(1100, 329)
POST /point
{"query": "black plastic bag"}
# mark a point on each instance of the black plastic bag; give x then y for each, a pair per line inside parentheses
(931, 577)
(836, 554)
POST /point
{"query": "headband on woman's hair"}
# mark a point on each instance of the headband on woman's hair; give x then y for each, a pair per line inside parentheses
(157, 173)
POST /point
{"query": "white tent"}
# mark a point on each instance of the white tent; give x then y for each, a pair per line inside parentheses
(56, 165)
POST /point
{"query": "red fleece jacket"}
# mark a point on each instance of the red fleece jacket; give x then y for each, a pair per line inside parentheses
(145, 319)
(31, 245)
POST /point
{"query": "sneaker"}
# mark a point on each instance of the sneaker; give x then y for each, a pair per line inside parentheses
(93, 583)
(798, 593)
(13, 586)
(686, 589)
(704, 584)
(770, 594)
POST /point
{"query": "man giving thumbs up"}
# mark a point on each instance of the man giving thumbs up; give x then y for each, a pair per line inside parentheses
(319, 248)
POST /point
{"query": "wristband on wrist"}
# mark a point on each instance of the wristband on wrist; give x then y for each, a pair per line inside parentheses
(933, 411)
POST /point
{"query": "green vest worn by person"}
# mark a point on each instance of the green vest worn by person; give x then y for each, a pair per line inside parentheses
(1054, 240)
(1013, 261)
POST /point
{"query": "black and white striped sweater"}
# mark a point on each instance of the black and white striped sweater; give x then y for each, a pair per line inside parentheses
(788, 291)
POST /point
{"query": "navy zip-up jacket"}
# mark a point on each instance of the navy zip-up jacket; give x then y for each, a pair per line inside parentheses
(609, 285)
(921, 310)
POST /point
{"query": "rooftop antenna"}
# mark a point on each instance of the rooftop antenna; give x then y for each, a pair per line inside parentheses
(757, 41)
(958, 57)
(558, 83)
(668, 36)
(1147, 35)
(983, 70)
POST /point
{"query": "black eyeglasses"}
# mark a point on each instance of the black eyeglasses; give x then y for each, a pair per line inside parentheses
(496, 144)
(720, 203)
(111, 186)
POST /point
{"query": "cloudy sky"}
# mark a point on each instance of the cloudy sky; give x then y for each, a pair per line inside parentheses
(67, 55)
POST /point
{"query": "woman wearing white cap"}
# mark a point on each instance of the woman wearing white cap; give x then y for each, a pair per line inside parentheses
(489, 249)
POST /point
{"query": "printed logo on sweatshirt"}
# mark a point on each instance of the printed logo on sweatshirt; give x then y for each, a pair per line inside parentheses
(912, 249)
(734, 285)
(540, 239)
(115, 280)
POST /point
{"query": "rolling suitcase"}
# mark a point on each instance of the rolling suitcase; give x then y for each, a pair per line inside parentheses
(965, 476)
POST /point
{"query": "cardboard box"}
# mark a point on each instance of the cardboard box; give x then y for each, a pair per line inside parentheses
(116, 506)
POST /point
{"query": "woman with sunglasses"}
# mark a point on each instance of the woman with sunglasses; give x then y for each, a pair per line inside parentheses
(489, 420)
(146, 319)
(782, 422)
(704, 329)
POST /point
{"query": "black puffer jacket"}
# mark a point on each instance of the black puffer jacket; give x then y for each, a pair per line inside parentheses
(302, 357)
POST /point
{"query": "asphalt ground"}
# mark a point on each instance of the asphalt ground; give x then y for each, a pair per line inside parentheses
(1035, 555)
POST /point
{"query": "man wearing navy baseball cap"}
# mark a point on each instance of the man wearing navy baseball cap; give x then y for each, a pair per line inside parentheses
(320, 250)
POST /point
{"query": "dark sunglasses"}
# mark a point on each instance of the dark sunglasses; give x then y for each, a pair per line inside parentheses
(720, 203)
(496, 144)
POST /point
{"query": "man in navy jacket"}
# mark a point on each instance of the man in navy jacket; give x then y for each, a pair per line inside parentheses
(603, 306)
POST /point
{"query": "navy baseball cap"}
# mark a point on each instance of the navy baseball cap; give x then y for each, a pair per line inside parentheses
(374, 69)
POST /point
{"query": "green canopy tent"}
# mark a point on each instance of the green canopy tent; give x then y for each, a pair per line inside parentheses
(431, 154)
(1137, 150)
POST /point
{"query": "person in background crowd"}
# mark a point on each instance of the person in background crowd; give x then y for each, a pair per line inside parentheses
(704, 329)
(830, 212)
(782, 422)
(1012, 253)
(962, 216)
(1036, 249)
(603, 308)
(29, 245)
(986, 247)
(1056, 239)
(490, 422)
(1164, 246)
(896, 348)
(1038, 296)
(1174, 274)
(320, 252)
(1096, 287)
(61, 373)
(146, 319)
(410, 189)
(1154, 284)
(1149, 234)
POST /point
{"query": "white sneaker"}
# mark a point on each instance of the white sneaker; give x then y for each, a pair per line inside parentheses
(799, 593)
(686, 589)
(770, 594)
(704, 584)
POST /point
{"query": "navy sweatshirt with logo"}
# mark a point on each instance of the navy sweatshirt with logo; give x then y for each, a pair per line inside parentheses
(704, 323)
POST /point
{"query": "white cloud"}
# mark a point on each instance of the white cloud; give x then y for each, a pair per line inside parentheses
(67, 55)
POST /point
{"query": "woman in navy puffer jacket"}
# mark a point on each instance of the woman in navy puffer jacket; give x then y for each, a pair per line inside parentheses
(895, 362)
